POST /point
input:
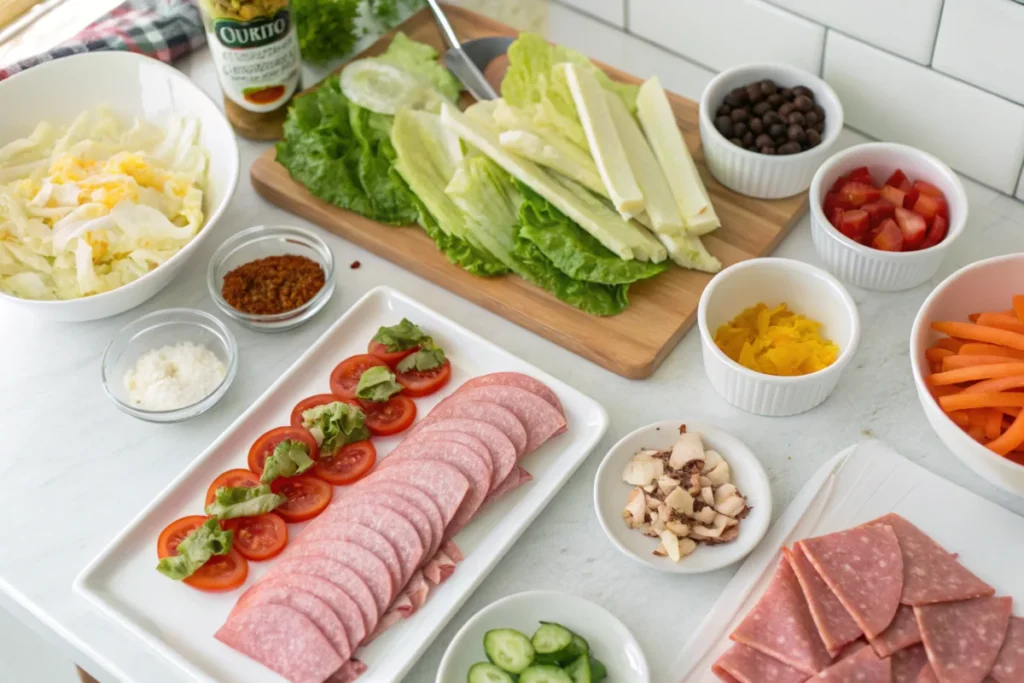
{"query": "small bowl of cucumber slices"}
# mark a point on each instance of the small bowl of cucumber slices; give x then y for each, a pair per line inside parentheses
(543, 637)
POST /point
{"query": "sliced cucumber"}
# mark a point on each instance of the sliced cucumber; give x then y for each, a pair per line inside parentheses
(544, 673)
(382, 88)
(598, 671)
(576, 647)
(580, 645)
(509, 649)
(551, 638)
(485, 672)
(579, 669)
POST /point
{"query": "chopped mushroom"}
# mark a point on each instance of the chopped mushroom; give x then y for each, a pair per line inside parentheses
(711, 460)
(725, 491)
(720, 475)
(671, 545)
(681, 500)
(635, 513)
(667, 484)
(678, 528)
(643, 469)
(688, 447)
(707, 495)
(706, 515)
(731, 506)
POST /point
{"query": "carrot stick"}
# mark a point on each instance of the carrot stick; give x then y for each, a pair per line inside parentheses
(977, 432)
(962, 418)
(958, 362)
(1002, 322)
(964, 401)
(1011, 438)
(945, 390)
(976, 373)
(973, 317)
(993, 424)
(953, 345)
(981, 333)
(975, 349)
(1012, 412)
(936, 354)
(1018, 306)
(996, 384)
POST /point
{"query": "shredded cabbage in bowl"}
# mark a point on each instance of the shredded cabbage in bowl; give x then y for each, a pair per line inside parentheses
(92, 206)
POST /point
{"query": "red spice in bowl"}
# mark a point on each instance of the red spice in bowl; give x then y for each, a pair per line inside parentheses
(273, 285)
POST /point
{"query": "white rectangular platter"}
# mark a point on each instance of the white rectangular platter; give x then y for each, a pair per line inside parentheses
(179, 622)
(861, 483)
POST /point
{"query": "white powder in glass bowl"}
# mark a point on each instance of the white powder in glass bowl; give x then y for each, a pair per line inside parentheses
(173, 377)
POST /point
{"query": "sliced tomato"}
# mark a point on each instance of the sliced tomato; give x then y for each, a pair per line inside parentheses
(232, 479)
(307, 497)
(419, 383)
(390, 357)
(265, 445)
(858, 193)
(925, 187)
(936, 233)
(836, 217)
(220, 573)
(911, 198)
(258, 538)
(893, 195)
(347, 465)
(314, 401)
(862, 174)
(854, 224)
(899, 180)
(878, 211)
(391, 417)
(345, 377)
(913, 226)
(930, 206)
(888, 236)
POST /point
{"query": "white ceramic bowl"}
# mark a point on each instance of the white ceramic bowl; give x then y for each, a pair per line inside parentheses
(871, 268)
(982, 286)
(610, 494)
(609, 639)
(130, 85)
(808, 291)
(761, 175)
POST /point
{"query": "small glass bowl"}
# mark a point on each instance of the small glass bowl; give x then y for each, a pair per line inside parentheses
(260, 242)
(154, 331)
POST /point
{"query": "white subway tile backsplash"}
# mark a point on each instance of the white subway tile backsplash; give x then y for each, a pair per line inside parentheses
(724, 33)
(982, 42)
(612, 11)
(893, 99)
(905, 27)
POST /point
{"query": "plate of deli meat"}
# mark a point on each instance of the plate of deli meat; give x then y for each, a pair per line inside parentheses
(878, 573)
(333, 529)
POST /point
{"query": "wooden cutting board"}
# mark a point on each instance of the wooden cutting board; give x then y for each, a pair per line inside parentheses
(661, 309)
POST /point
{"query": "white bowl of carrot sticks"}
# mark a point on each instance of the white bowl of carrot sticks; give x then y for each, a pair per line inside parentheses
(967, 352)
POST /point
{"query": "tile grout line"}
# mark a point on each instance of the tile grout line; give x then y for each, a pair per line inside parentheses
(938, 28)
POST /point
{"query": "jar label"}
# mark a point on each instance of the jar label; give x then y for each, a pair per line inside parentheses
(257, 60)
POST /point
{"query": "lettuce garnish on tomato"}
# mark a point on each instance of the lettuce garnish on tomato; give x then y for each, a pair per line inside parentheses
(377, 384)
(196, 550)
(335, 424)
(289, 458)
(244, 501)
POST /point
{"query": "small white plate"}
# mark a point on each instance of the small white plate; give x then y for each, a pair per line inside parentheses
(610, 640)
(610, 494)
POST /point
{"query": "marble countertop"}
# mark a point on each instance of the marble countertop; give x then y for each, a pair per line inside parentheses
(75, 470)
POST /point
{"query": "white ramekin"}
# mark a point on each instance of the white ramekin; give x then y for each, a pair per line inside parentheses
(808, 291)
(761, 175)
(983, 286)
(871, 268)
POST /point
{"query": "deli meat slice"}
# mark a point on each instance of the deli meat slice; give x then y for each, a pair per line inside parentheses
(349, 671)
(541, 420)
(310, 606)
(908, 663)
(514, 480)
(410, 495)
(516, 379)
(408, 533)
(963, 638)
(443, 483)
(930, 574)
(902, 632)
(467, 440)
(335, 572)
(360, 560)
(780, 625)
(927, 675)
(284, 641)
(1009, 667)
(864, 569)
(344, 606)
(747, 665)
(836, 626)
(475, 469)
(864, 666)
(503, 451)
(362, 536)
(491, 413)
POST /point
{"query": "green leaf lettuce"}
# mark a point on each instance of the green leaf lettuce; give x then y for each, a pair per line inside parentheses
(335, 424)
(377, 384)
(243, 501)
(195, 550)
(288, 459)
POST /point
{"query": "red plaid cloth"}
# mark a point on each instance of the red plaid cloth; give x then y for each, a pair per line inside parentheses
(164, 29)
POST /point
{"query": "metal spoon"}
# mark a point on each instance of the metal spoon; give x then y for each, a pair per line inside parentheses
(468, 61)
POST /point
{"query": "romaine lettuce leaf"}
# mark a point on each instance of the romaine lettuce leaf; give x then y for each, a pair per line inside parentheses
(243, 501)
(288, 459)
(335, 424)
(427, 357)
(377, 384)
(400, 337)
(421, 60)
(195, 550)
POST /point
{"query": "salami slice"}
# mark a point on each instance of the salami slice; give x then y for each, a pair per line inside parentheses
(417, 590)
(541, 420)
(443, 483)
(360, 560)
(475, 469)
(349, 671)
(516, 379)
(307, 604)
(747, 665)
(864, 666)
(835, 625)
(908, 663)
(439, 568)
(343, 605)
(502, 450)
(491, 413)
(414, 496)
(902, 632)
(259, 632)
(1009, 666)
(476, 445)
(927, 675)
(452, 551)
(337, 573)
(963, 638)
(864, 569)
(362, 536)
(780, 625)
(408, 537)
(516, 478)
(930, 574)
